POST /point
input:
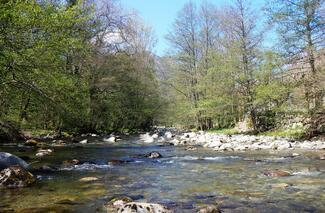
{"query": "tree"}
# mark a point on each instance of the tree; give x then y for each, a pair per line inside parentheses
(194, 37)
(34, 39)
(239, 26)
(185, 38)
(65, 64)
(301, 27)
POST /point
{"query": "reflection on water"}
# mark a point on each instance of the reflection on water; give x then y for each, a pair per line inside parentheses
(182, 180)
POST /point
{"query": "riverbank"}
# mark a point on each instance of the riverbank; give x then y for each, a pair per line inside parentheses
(233, 142)
(218, 141)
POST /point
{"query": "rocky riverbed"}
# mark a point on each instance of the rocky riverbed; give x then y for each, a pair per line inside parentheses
(166, 170)
(223, 142)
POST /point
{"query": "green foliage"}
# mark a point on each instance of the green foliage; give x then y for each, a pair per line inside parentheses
(51, 77)
(125, 96)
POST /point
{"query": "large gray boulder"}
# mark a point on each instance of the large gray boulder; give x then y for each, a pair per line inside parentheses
(8, 160)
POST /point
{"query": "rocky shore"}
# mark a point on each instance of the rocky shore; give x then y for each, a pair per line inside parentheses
(223, 142)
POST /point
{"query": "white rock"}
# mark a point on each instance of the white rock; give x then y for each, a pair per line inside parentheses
(225, 146)
(111, 139)
(143, 208)
(119, 203)
(201, 139)
(213, 144)
(40, 154)
(43, 152)
(189, 135)
(168, 135)
(161, 139)
(146, 138)
(175, 142)
(155, 136)
(84, 141)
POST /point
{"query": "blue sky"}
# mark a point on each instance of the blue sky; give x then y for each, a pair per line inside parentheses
(160, 14)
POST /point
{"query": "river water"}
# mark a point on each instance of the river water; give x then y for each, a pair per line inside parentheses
(182, 180)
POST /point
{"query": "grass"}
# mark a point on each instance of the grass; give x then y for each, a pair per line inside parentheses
(296, 133)
(230, 131)
(291, 132)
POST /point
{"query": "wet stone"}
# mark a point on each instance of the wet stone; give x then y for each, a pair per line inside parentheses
(153, 155)
(16, 177)
(210, 209)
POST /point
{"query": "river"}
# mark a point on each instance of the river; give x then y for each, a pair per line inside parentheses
(182, 180)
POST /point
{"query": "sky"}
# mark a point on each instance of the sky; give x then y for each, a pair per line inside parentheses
(160, 14)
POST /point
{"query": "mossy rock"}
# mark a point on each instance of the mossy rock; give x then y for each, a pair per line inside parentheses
(31, 142)
(16, 177)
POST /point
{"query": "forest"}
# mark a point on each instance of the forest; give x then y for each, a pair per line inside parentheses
(89, 66)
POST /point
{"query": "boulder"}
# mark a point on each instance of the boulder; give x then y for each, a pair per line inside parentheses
(59, 142)
(111, 139)
(161, 140)
(7, 160)
(168, 135)
(283, 145)
(147, 138)
(155, 136)
(116, 203)
(31, 142)
(210, 209)
(84, 141)
(72, 162)
(153, 154)
(214, 144)
(15, 177)
(119, 201)
(43, 152)
(190, 134)
(176, 142)
(137, 207)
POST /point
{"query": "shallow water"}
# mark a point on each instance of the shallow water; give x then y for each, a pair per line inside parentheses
(182, 180)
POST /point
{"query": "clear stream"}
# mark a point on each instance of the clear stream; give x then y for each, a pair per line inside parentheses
(182, 180)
